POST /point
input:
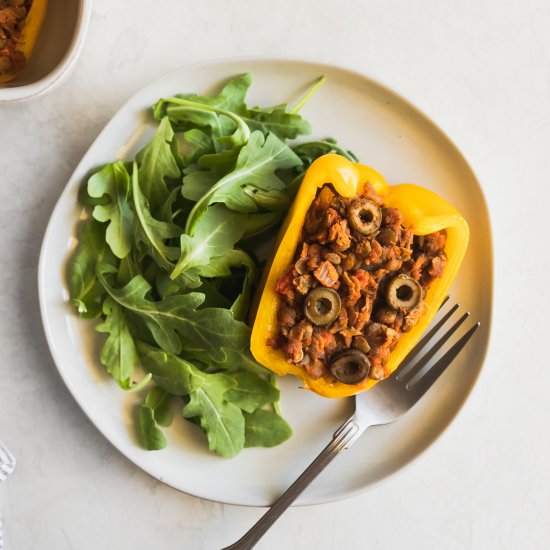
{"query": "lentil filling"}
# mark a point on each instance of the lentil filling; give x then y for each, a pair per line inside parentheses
(13, 14)
(358, 281)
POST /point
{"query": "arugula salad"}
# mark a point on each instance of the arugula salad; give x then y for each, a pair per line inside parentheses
(167, 260)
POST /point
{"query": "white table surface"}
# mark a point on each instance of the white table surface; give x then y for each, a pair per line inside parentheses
(481, 70)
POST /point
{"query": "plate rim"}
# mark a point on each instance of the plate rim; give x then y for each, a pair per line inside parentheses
(299, 60)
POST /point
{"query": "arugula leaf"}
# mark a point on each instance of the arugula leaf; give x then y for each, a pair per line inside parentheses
(84, 287)
(201, 144)
(278, 121)
(234, 360)
(198, 182)
(154, 232)
(231, 359)
(162, 324)
(218, 113)
(189, 280)
(118, 354)
(151, 436)
(257, 164)
(175, 322)
(221, 267)
(231, 97)
(173, 374)
(143, 383)
(270, 199)
(252, 392)
(173, 207)
(223, 422)
(311, 150)
(158, 400)
(213, 296)
(84, 199)
(308, 95)
(265, 429)
(127, 270)
(209, 169)
(215, 235)
(113, 180)
(260, 222)
(240, 306)
(156, 163)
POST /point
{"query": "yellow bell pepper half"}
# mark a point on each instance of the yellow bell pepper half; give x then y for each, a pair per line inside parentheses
(29, 34)
(423, 211)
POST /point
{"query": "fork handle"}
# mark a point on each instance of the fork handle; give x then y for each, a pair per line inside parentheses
(343, 438)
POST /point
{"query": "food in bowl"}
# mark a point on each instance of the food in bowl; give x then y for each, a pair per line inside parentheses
(20, 22)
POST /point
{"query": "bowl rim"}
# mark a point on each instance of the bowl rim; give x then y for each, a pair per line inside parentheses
(39, 87)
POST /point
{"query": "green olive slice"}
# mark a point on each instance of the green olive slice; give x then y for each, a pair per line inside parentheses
(350, 366)
(364, 216)
(322, 305)
(387, 236)
(403, 292)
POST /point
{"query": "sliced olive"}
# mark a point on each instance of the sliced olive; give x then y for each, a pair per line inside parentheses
(403, 292)
(364, 216)
(387, 236)
(322, 305)
(350, 366)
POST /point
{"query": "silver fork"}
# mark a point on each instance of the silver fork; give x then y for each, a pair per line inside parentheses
(384, 403)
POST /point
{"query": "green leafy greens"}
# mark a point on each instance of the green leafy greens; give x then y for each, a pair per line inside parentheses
(166, 260)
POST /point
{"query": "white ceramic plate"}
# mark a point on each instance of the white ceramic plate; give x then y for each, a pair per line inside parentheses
(385, 131)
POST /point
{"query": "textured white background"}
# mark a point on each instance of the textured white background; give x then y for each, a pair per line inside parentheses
(481, 70)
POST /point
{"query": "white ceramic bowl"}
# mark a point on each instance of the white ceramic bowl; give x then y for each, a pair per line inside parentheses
(56, 51)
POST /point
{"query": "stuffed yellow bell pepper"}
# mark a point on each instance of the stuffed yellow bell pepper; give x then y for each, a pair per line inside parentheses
(423, 213)
(20, 22)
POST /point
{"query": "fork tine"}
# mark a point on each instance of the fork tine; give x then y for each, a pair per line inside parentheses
(409, 364)
(423, 361)
(425, 382)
